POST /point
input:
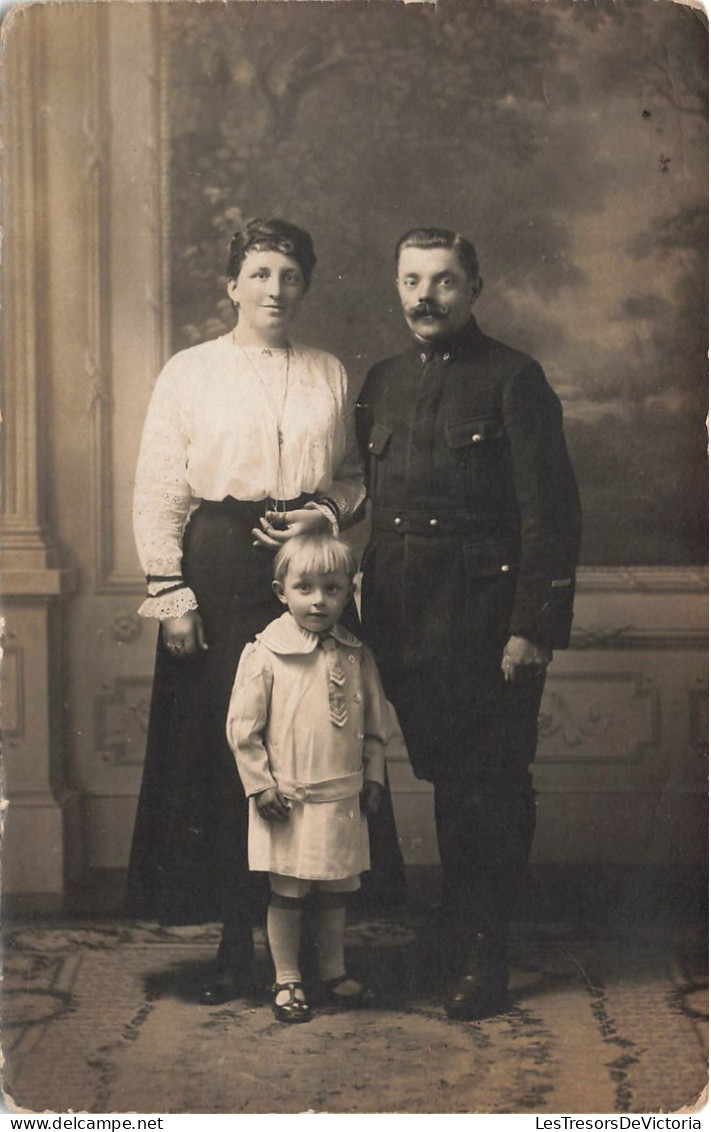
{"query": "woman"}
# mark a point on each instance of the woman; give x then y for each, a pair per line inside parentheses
(244, 447)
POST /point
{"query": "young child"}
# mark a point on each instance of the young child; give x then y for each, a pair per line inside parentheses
(309, 722)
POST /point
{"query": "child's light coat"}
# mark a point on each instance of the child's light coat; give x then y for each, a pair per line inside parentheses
(280, 729)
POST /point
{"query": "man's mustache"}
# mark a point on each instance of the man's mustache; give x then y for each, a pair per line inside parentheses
(427, 309)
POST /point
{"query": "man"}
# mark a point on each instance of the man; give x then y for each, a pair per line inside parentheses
(468, 586)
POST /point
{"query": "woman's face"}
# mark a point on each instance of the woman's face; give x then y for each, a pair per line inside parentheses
(268, 292)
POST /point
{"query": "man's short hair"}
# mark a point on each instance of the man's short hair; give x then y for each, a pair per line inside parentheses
(314, 554)
(441, 238)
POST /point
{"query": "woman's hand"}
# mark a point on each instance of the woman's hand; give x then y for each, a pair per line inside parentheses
(272, 805)
(184, 636)
(277, 527)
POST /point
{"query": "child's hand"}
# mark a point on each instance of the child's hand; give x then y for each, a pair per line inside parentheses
(272, 805)
(370, 797)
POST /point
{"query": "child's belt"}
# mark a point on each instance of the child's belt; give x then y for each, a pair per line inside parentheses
(332, 790)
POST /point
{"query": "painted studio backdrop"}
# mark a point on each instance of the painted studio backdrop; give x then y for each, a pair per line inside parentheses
(568, 140)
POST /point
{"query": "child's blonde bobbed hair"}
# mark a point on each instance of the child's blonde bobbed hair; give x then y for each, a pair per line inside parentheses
(317, 554)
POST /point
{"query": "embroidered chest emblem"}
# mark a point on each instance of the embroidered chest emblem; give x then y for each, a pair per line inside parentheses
(337, 707)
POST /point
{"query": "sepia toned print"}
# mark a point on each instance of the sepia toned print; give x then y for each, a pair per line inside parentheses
(568, 142)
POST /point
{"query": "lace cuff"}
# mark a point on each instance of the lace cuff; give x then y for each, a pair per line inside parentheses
(172, 604)
(327, 508)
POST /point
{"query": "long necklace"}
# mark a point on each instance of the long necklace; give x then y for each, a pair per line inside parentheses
(277, 412)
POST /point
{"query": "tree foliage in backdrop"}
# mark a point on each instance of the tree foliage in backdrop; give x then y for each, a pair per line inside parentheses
(569, 140)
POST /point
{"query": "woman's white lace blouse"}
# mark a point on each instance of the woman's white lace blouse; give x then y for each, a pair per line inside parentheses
(212, 431)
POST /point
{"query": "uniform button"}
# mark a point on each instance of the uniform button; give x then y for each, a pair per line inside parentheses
(371, 446)
(397, 521)
(446, 357)
(423, 358)
(505, 569)
(351, 658)
(434, 522)
(359, 734)
(476, 437)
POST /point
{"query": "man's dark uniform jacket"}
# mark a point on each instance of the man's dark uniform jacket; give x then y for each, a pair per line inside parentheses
(475, 534)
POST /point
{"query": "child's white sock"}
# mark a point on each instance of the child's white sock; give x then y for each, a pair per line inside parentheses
(284, 934)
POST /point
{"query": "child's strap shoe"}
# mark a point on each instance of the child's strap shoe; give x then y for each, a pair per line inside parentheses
(293, 1008)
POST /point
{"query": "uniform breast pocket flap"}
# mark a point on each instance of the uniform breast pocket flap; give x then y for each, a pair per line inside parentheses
(474, 432)
(379, 439)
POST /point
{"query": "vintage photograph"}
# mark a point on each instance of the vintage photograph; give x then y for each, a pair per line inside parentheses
(354, 557)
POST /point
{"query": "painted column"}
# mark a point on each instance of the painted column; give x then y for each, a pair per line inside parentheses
(33, 583)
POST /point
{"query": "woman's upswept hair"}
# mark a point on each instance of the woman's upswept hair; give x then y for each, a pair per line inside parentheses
(314, 554)
(272, 236)
(441, 238)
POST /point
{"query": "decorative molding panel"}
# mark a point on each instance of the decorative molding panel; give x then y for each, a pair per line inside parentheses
(597, 717)
(97, 366)
(699, 722)
(122, 720)
(643, 579)
(119, 43)
(629, 637)
(126, 626)
(12, 691)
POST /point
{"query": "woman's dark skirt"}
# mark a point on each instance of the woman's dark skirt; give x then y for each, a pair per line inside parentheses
(188, 861)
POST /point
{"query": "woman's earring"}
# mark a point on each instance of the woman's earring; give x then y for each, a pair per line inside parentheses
(235, 304)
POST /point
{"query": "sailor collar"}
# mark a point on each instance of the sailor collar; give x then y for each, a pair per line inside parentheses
(285, 638)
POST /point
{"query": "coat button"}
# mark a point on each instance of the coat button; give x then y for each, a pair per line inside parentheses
(423, 358)
(357, 698)
(397, 521)
(505, 569)
(476, 437)
(434, 522)
(446, 357)
(371, 446)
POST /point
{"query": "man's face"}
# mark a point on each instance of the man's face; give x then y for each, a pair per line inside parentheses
(435, 291)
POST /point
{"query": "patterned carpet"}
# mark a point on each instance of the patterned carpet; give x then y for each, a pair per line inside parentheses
(102, 1017)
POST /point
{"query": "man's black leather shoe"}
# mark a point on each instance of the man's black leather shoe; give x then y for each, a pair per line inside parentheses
(234, 967)
(471, 1000)
(482, 990)
(225, 988)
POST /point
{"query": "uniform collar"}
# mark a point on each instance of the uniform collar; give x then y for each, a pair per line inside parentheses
(458, 345)
(285, 638)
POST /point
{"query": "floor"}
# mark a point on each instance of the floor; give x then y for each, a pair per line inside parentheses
(101, 1017)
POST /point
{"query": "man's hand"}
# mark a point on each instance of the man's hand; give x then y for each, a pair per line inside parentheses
(523, 658)
(370, 797)
(278, 527)
(272, 805)
(184, 636)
